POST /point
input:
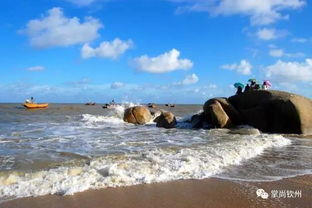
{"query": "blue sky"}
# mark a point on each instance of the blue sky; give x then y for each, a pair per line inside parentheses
(178, 51)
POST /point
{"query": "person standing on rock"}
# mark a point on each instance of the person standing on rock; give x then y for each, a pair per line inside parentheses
(264, 86)
(239, 90)
(247, 88)
(253, 84)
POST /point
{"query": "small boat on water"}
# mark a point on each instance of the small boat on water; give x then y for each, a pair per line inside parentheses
(35, 105)
(110, 106)
(90, 103)
(151, 105)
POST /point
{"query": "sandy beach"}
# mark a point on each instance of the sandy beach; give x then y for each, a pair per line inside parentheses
(183, 193)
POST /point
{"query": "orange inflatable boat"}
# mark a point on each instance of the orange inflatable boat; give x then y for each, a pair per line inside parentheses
(35, 105)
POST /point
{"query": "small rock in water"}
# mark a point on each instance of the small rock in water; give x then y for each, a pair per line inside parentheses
(166, 120)
(104, 171)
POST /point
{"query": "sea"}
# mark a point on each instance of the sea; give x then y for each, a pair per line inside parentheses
(69, 148)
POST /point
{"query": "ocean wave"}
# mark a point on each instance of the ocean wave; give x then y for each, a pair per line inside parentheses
(149, 166)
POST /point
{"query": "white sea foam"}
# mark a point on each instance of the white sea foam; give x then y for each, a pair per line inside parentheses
(115, 115)
(149, 166)
(93, 119)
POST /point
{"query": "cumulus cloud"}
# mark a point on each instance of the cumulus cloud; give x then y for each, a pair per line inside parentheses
(55, 29)
(107, 49)
(163, 63)
(290, 71)
(276, 52)
(188, 80)
(262, 12)
(244, 67)
(270, 34)
(36, 68)
(117, 85)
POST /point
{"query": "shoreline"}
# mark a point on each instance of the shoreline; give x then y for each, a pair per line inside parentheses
(211, 192)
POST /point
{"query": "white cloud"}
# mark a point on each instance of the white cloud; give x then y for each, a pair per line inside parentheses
(244, 67)
(54, 29)
(107, 49)
(117, 85)
(188, 80)
(163, 63)
(299, 40)
(275, 52)
(36, 68)
(261, 12)
(290, 71)
(270, 34)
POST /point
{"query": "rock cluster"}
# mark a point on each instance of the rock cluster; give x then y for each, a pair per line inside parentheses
(142, 115)
(267, 110)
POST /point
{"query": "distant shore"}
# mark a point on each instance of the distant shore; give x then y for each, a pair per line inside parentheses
(211, 192)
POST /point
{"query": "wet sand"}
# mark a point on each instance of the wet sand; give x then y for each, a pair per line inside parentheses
(181, 194)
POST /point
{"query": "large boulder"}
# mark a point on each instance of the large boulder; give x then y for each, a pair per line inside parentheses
(275, 111)
(166, 120)
(137, 115)
(234, 117)
(219, 113)
(216, 116)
